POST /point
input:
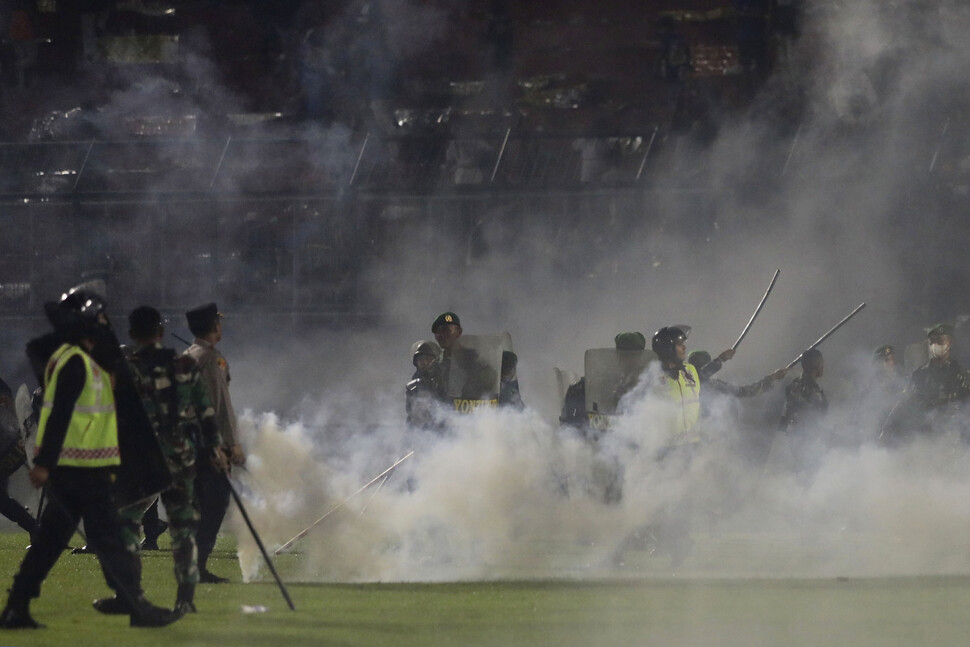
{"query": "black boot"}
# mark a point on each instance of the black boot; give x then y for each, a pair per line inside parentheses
(16, 615)
(184, 598)
(150, 542)
(112, 606)
(207, 577)
(147, 614)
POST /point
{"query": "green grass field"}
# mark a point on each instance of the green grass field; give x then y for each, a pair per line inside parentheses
(631, 611)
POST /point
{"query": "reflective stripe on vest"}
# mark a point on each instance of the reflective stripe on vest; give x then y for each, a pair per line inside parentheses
(92, 434)
(685, 395)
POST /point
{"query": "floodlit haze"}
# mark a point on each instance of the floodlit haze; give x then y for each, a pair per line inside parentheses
(838, 202)
(510, 495)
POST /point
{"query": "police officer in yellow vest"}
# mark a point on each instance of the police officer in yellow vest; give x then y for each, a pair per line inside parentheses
(679, 387)
(77, 459)
(679, 384)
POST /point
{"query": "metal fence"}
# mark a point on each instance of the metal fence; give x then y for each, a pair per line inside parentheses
(322, 164)
(282, 224)
(326, 256)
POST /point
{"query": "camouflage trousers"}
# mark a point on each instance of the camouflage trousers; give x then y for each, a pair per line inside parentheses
(183, 522)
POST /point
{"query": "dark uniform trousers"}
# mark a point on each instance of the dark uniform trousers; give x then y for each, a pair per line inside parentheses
(81, 494)
(212, 495)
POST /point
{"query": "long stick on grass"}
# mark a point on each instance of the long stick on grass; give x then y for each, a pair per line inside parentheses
(259, 542)
(342, 503)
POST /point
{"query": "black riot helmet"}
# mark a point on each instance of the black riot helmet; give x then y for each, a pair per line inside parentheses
(419, 348)
(665, 340)
(79, 313)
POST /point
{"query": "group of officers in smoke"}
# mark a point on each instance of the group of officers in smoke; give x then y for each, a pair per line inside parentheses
(117, 428)
(889, 409)
(459, 374)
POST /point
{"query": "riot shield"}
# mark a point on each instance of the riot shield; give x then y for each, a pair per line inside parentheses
(144, 472)
(472, 372)
(611, 374)
(24, 406)
(12, 454)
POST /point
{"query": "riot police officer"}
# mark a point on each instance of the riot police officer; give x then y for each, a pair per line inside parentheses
(678, 383)
(421, 394)
(78, 456)
(935, 393)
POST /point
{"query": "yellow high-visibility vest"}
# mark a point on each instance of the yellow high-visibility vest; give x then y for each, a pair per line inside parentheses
(684, 395)
(92, 434)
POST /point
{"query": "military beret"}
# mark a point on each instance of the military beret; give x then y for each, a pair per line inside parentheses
(883, 351)
(940, 329)
(203, 316)
(444, 319)
(630, 341)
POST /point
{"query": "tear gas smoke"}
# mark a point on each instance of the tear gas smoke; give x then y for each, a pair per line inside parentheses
(842, 200)
(507, 495)
(511, 495)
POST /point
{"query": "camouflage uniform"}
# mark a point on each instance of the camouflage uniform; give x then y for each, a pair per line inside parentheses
(806, 440)
(805, 403)
(745, 391)
(931, 402)
(183, 417)
(935, 385)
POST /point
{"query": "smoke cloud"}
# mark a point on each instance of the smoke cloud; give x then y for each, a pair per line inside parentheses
(842, 199)
(846, 174)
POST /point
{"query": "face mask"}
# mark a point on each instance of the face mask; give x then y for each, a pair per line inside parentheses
(938, 350)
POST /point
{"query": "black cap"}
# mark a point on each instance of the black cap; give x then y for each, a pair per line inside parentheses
(444, 319)
(202, 318)
(630, 341)
(940, 329)
(883, 351)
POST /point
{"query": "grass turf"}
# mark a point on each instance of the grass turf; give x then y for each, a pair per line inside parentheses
(902, 611)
